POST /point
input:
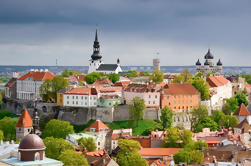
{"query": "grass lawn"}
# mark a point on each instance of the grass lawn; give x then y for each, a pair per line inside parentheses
(143, 125)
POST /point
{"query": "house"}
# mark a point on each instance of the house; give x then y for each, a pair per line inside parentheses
(100, 158)
(123, 82)
(11, 88)
(147, 92)
(244, 130)
(77, 79)
(99, 129)
(114, 135)
(28, 85)
(80, 97)
(242, 113)
(30, 152)
(180, 97)
(109, 90)
(145, 141)
(222, 90)
(157, 138)
(60, 95)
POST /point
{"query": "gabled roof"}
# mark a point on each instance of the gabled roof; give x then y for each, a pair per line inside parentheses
(180, 89)
(37, 75)
(11, 82)
(244, 125)
(242, 111)
(98, 125)
(25, 120)
(217, 81)
(158, 151)
(82, 91)
(107, 67)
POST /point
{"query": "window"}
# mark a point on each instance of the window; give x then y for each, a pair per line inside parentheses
(106, 129)
(72, 97)
(94, 98)
(77, 102)
(156, 96)
(149, 96)
(67, 97)
(82, 97)
(90, 98)
(37, 156)
(76, 97)
(72, 102)
(149, 102)
(85, 98)
(98, 143)
(67, 102)
(174, 102)
(153, 102)
(101, 130)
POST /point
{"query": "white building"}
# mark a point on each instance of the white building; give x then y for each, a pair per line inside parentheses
(220, 90)
(96, 63)
(80, 97)
(29, 84)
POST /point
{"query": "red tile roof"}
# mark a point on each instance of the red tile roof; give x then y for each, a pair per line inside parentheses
(145, 141)
(155, 162)
(212, 141)
(217, 81)
(24, 120)
(180, 89)
(248, 85)
(242, 111)
(37, 75)
(158, 151)
(82, 91)
(11, 82)
(98, 125)
(96, 153)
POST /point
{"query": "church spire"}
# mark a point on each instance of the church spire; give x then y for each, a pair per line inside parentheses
(96, 47)
(96, 35)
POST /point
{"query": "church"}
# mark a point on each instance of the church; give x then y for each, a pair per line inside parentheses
(96, 63)
(209, 65)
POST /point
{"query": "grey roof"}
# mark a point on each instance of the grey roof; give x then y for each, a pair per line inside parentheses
(219, 63)
(209, 55)
(198, 63)
(206, 62)
(107, 67)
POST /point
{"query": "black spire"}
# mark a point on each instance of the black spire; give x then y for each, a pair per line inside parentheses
(96, 54)
(118, 61)
(219, 63)
(198, 63)
(209, 55)
(206, 63)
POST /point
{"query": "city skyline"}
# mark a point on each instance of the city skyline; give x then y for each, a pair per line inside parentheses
(39, 32)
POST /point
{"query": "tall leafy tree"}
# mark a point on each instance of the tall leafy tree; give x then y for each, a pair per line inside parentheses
(206, 122)
(46, 90)
(57, 129)
(94, 76)
(202, 86)
(157, 76)
(128, 154)
(144, 73)
(1, 135)
(173, 138)
(70, 157)
(8, 126)
(229, 121)
(136, 109)
(187, 75)
(131, 73)
(198, 114)
(230, 106)
(241, 98)
(113, 77)
(55, 146)
(166, 117)
(218, 116)
(87, 143)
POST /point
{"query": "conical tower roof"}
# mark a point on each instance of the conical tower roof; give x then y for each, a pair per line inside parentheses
(219, 63)
(198, 63)
(25, 120)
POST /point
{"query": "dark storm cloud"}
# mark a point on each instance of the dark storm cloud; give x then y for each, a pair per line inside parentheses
(180, 30)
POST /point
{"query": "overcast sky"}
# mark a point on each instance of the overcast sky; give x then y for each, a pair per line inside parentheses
(37, 32)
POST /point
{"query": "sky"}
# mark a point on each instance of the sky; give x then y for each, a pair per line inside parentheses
(178, 32)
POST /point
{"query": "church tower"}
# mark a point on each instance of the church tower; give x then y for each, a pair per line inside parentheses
(24, 125)
(96, 58)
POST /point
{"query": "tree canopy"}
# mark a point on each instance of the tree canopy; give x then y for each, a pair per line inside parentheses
(233, 103)
(57, 129)
(70, 157)
(68, 73)
(197, 115)
(1, 135)
(129, 153)
(113, 77)
(131, 73)
(206, 122)
(136, 109)
(144, 73)
(157, 76)
(55, 146)
(87, 143)
(202, 86)
(241, 98)
(94, 76)
(184, 76)
(229, 121)
(166, 117)
(8, 126)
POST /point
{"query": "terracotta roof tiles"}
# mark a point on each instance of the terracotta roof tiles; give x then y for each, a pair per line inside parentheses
(24, 120)
(217, 81)
(98, 125)
(242, 111)
(82, 91)
(37, 75)
(180, 89)
(158, 151)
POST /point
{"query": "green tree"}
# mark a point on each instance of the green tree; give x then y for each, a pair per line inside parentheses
(199, 145)
(186, 137)
(166, 117)
(144, 73)
(87, 143)
(128, 154)
(186, 75)
(199, 75)
(217, 116)
(55, 146)
(94, 76)
(71, 158)
(46, 90)
(210, 74)
(230, 106)
(197, 115)
(1, 100)
(173, 138)
(182, 156)
(206, 122)
(113, 77)
(1, 135)
(178, 79)
(136, 109)
(229, 121)
(57, 129)
(131, 73)
(196, 157)
(157, 76)
(8, 126)
(68, 73)
(202, 86)
(241, 98)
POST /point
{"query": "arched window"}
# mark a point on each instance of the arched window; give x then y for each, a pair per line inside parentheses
(19, 156)
(37, 156)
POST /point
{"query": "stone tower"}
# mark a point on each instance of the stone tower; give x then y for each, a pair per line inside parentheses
(96, 58)
(156, 64)
(24, 125)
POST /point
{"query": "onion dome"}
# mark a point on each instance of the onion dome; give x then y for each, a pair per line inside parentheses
(96, 47)
(219, 63)
(206, 63)
(209, 55)
(31, 142)
(198, 63)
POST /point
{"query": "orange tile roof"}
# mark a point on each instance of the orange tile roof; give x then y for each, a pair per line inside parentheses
(109, 89)
(242, 111)
(156, 162)
(180, 89)
(212, 141)
(145, 141)
(82, 91)
(158, 151)
(37, 75)
(248, 85)
(24, 120)
(96, 153)
(217, 81)
(98, 125)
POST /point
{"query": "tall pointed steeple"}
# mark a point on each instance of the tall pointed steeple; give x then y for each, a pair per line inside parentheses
(96, 48)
